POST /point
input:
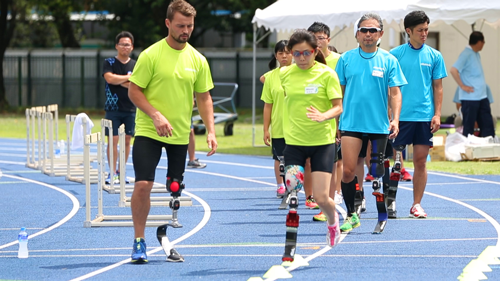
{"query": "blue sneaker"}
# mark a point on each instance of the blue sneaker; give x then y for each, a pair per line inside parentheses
(139, 251)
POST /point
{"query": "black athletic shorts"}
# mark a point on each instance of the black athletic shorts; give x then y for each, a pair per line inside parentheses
(278, 146)
(146, 155)
(365, 138)
(322, 156)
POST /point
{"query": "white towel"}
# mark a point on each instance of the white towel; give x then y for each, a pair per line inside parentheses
(77, 140)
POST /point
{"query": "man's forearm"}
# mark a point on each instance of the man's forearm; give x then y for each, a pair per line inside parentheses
(206, 109)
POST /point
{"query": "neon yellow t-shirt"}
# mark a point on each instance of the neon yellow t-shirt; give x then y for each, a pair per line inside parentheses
(272, 93)
(332, 60)
(168, 78)
(316, 86)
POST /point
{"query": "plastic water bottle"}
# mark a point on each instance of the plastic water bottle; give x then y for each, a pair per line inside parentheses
(23, 244)
(57, 152)
(62, 146)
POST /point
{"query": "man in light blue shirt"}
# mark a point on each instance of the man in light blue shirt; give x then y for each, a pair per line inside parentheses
(370, 79)
(420, 116)
(469, 75)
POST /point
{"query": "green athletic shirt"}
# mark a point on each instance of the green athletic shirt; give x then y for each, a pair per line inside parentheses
(316, 86)
(168, 78)
(332, 60)
(272, 93)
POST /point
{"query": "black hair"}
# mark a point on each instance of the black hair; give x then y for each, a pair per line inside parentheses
(302, 35)
(475, 37)
(332, 49)
(280, 47)
(319, 27)
(415, 18)
(371, 16)
(124, 34)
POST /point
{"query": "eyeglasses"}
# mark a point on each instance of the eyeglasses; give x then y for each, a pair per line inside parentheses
(305, 53)
(321, 38)
(371, 29)
(124, 45)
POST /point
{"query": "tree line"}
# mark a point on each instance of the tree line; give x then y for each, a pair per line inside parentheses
(39, 23)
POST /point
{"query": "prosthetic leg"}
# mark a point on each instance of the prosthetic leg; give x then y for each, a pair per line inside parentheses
(286, 196)
(358, 198)
(377, 170)
(393, 183)
(175, 187)
(294, 180)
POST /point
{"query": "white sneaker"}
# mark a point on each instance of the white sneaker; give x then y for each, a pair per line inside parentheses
(417, 212)
(338, 198)
(333, 234)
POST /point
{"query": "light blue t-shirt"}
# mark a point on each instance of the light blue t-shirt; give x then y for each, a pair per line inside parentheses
(471, 72)
(456, 97)
(420, 68)
(367, 77)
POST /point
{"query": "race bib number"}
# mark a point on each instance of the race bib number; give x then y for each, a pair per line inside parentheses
(311, 90)
(378, 73)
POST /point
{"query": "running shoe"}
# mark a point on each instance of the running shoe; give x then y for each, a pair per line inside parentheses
(116, 178)
(350, 223)
(319, 217)
(363, 205)
(108, 179)
(369, 178)
(196, 164)
(405, 176)
(139, 251)
(338, 198)
(333, 235)
(311, 203)
(280, 192)
(417, 212)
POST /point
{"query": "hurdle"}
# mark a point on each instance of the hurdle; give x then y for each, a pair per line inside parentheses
(52, 166)
(125, 201)
(101, 219)
(32, 129)
(75, 163)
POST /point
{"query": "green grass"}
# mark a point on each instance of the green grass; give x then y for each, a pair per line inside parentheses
(14, 126)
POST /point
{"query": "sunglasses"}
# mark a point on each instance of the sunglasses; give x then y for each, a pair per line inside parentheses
(371, 29)
(305, 53)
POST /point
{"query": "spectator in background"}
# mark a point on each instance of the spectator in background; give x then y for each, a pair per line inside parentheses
(469, 75)
(119, 109)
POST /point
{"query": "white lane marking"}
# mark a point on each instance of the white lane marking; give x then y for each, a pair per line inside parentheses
(72, 213)
(203, 222)
(490, 219)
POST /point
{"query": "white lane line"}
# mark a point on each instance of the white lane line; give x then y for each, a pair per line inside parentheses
(203, 222)
(249, 255)
(72, 213)
(490, 219)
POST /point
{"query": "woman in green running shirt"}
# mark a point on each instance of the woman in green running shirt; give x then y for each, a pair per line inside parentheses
(312, 96)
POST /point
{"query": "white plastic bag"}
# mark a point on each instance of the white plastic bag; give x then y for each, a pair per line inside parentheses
(454, 146)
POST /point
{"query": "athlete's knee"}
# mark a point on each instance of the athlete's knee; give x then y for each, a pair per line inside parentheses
(294, 177)
(175, 186)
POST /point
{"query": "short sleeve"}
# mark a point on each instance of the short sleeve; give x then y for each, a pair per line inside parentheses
(106, 66)
(143, 71)
(266, 96)
(439, 70)
(333, 86)
(396, 76)
(461, 61)
(204, 81)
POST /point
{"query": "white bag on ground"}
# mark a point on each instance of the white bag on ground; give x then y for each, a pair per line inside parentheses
(454, 146)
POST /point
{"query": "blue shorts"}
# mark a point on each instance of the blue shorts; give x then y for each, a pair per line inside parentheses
(121, 117)
(415, 133)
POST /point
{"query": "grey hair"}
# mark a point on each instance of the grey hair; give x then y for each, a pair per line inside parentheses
(371, 16)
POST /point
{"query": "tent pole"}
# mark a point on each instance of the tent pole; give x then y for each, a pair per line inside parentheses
(460, 31)
(254, 65)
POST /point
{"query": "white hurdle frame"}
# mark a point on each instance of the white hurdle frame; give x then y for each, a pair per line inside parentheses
(105, 123)
(185, 201)
(75, 164)
(101, 219)
(54, 167)
(31, 130)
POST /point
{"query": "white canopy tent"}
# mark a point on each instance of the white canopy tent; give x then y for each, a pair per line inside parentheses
(286, 15)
